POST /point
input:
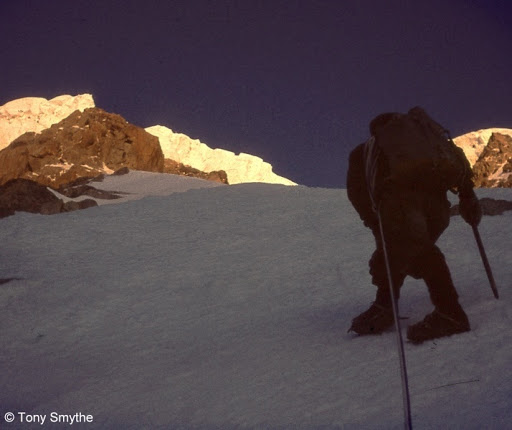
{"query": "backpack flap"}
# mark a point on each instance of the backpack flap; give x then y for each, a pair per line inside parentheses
(413, 151)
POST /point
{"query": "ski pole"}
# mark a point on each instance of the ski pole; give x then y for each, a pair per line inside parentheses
(485, 261)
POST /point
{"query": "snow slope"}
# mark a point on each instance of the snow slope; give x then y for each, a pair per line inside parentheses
(136, 185)
(228, 308)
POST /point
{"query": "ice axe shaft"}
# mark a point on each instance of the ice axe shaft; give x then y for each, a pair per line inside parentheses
(485, 261)
(396, 315)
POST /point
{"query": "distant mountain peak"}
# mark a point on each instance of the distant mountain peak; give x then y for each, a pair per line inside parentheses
(183, 154)
(489, 152)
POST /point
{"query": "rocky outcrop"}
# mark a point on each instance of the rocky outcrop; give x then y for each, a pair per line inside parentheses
(175, 168)
(85, 144)
(191, 152)
(494, 165)
(489, 207)
(81, 187)
(36, 114)
(29, 196)
(490, 155)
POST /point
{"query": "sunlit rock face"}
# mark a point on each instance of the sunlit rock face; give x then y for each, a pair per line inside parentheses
(36, 114)
(489, 152)
(85, 144)
(191, 152)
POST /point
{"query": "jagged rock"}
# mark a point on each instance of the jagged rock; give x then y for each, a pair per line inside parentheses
(124, 171)
(489, 152)
(29, 196)
(494, 165)
(175, 168)
(489, 207)
(85, 144)
(191, 152)
(36, 114)
(474, 142)
(73, 205)
(76, 189)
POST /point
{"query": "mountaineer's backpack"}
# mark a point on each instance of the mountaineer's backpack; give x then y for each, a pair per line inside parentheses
(412, 150)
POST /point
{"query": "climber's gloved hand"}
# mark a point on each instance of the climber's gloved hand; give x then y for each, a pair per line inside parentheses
(470, 209)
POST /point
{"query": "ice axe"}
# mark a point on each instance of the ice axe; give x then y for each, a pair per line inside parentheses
(485, 261)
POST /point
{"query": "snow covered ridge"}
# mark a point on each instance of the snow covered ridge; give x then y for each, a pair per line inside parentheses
(33, 114)
(191, 152)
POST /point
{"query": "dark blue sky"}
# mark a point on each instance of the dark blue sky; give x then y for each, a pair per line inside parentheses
(295, 82)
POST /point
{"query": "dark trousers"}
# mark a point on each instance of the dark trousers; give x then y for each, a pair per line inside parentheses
(412, 221)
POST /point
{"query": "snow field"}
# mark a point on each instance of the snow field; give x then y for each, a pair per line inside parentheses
(229, 307)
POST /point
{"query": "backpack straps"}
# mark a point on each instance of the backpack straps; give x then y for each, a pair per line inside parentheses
(371, 153)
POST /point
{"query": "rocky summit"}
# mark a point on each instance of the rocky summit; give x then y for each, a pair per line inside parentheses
(85, 144)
